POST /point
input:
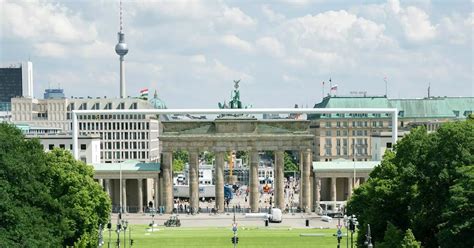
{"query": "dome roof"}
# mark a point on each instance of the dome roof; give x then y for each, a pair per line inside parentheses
(156, 102)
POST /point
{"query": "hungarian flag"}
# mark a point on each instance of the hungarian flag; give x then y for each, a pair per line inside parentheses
(144, 93)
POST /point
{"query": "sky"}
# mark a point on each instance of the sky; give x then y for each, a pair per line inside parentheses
(190, 51)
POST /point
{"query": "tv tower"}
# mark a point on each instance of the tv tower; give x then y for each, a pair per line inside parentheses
(121, 49)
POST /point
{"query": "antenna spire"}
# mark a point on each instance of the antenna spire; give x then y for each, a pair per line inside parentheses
(121, 49)
(121, 20)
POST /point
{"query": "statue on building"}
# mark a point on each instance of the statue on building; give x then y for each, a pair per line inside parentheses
(235, 102)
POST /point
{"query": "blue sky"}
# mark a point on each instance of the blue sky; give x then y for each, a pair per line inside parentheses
(190, 51)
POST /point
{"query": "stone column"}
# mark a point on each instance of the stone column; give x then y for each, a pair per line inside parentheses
(349, 188)
(279, 185)
(101, 183)
(108, 188)
(124, 195)
(300, 195)
(317, 191)
(194, 181)
(305, 182)
(167, 182)
(254, 183)
(220, 181)
(311, 186)
(157, 192)
(333, 192)
(140, 195)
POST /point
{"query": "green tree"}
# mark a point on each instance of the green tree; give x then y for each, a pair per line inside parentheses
(47, 199)
(458, 217)
(392, 238)
(84, 204)
(414, 185)
(28, 213)
(180, 158)
(208, 157)
(290, 162)
(409, 240)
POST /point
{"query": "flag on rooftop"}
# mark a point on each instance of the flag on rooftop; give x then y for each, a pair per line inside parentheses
(334, 87)
(144, 93)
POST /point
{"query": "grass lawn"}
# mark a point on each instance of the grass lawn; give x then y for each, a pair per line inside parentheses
(221, 237)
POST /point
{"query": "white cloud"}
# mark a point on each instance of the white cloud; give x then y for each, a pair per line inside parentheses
(235, 16)
(417, 25)
(271, 46)
(237, 43)
(41, 21)
(50, 49)
(198, 58)
(271, 15)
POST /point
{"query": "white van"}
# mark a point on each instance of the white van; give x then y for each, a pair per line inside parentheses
(275, 215)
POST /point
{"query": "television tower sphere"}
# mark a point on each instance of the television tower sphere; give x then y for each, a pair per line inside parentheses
(121, 48)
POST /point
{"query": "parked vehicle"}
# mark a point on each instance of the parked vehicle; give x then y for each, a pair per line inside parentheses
(173, 221)
(275, 215)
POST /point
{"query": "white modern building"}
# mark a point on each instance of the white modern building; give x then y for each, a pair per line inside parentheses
(381, 142)
(122, 136)
(89, 145)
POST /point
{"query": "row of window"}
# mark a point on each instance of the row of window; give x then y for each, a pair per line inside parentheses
(63, 146)
(359, 151)
(344, 133)
(124, 145)
(114, 125)
(124, 136)
(108, 117)
(109, 155)
(329, 124)
(356, 115)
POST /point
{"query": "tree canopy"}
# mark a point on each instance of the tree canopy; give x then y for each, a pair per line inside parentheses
(47, 199)
(424, 185)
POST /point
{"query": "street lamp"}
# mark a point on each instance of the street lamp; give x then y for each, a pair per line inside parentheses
(152, 212)
(368, 240)
(124, 225)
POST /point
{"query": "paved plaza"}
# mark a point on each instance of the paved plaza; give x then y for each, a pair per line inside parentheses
(226, 220)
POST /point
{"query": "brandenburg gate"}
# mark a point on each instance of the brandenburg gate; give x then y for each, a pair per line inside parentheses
(234, 134)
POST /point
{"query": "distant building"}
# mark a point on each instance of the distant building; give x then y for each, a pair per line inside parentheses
(16, 80)
(122, 137)
(89, 145)
(54, 94)
(348, 136)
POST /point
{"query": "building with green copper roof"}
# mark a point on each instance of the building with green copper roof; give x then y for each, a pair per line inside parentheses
(348, 136)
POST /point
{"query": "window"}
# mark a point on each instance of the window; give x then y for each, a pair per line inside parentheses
(51, 146)
(328, 133)
(338, 133)
(328, 124)
(389, 144)
(328, 151)
(62, 146)
(83, 147)
(328, 142)
(338, 124)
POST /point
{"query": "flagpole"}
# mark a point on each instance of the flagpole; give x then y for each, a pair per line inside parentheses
(323, 90)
